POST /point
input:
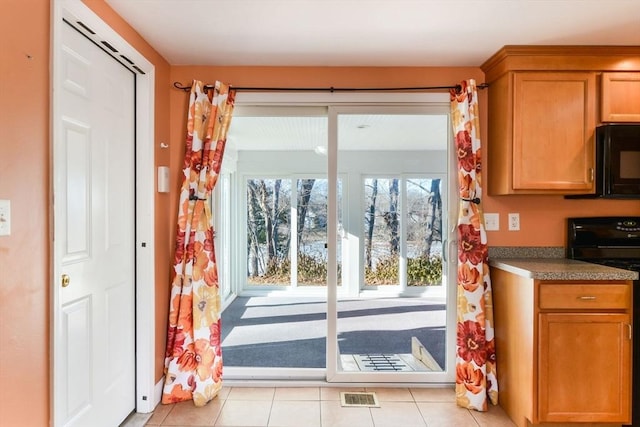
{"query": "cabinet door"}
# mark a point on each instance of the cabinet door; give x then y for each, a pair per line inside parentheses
(620, 97)
(584, 367)
(553, 131)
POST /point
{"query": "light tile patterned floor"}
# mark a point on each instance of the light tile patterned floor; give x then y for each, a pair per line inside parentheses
(320, 407)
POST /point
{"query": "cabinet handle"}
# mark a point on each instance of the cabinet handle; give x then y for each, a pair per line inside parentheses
(587, 298)
(591, 174)
(630, 331)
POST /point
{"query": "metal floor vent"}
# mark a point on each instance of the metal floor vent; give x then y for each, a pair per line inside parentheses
(359, 398)
(381, 362)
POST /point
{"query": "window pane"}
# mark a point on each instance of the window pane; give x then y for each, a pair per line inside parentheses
(381, 231)
(312, 231)
(268, 231)
(424, 232)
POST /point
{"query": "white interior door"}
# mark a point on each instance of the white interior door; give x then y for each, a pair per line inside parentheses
(94, 258)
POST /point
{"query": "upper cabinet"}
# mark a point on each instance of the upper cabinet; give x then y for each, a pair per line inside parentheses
(541, 127)
(620, 101)
(543, 110)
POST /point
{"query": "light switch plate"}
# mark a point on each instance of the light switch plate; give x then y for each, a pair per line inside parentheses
(492, 221)
(5, 217)
(163, 179)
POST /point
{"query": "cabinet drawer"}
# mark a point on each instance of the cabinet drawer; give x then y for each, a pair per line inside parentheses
(584, 296)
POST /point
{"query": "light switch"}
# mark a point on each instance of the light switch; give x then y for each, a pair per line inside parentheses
(5, 217)
(492, 221)
(163, 179)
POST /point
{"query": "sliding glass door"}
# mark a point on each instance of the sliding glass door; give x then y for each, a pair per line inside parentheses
(339, 223)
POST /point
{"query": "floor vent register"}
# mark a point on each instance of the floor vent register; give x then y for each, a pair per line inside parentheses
(360, 399)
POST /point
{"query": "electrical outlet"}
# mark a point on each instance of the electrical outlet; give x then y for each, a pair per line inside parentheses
(5, 217)
(514, 221)
(492, 221)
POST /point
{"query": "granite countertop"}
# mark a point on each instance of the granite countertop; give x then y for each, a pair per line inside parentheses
(549, 263)
(560, 269)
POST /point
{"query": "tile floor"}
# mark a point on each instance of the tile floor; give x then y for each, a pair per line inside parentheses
(320, 407)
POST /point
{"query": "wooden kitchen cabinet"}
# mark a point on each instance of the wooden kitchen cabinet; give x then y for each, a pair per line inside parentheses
(563, 349)
(620, 97)
(543, 108)
(541, 133)
(581, 367)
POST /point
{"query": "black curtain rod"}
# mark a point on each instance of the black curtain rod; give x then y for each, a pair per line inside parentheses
(332, 89)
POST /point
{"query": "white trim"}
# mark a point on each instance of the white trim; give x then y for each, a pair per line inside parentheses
(333, 354)
(145, 193)
(271, 374)
(157, 392)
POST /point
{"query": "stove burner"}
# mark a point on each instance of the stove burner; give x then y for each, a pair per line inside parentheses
(626, 265)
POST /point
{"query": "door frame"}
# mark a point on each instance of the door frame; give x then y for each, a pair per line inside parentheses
(147, 392)
(343, 102)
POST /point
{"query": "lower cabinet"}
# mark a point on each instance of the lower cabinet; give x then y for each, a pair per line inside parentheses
(563, 350)
(584, 367)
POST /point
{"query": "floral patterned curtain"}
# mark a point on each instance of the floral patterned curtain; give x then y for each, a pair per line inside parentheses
(193, 360)
(476, 376)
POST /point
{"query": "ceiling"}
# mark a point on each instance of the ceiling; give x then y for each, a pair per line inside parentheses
(371, 32)
(356, 132)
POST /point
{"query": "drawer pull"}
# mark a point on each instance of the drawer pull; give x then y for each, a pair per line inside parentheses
(587, 298)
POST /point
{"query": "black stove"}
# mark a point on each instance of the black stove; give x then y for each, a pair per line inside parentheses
(614, 242)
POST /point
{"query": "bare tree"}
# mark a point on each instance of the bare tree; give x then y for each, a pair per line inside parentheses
(371, 221)
(434, 217)
(432, 221)
(391, 217)
(263, 200)
(275, 219)
(253, 244)
(304, 194)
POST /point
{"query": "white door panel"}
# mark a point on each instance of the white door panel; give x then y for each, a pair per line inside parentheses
(94, 212)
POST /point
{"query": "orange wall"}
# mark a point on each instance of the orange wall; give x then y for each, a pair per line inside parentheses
(24, 179)
(542, 218)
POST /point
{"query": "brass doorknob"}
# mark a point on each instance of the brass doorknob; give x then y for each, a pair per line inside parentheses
(65, 280)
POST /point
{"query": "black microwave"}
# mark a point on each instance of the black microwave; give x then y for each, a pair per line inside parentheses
(618, 161)
(617, 167)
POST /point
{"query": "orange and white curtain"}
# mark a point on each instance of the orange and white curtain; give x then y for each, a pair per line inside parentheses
(476, 376)
(193, 359)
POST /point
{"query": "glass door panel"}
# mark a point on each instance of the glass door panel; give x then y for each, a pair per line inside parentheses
(391, 321)
(275, 327)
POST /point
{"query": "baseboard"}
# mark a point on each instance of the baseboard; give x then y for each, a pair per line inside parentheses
(157, 392)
